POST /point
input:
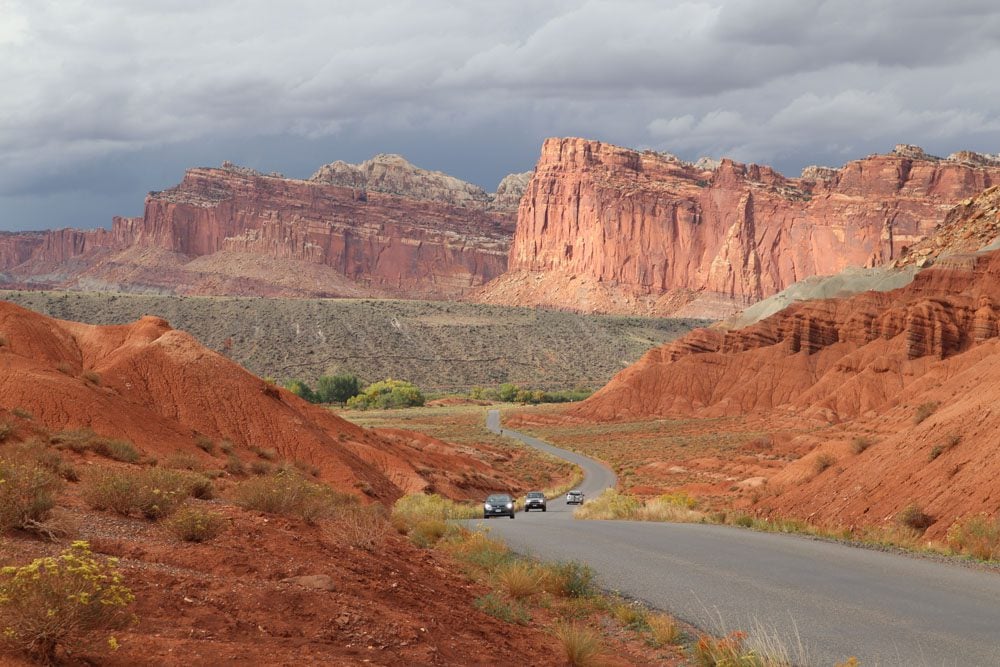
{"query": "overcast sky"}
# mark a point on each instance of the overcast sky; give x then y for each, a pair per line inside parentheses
(104, 100)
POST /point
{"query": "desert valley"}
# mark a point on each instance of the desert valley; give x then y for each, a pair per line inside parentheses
(273, 420)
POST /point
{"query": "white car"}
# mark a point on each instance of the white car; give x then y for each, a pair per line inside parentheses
(574, 497)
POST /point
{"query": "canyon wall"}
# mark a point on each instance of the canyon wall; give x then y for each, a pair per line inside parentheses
(603, 228)
(382, 228)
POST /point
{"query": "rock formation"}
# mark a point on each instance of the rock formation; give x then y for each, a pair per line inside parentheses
(604, 228)
(912, 369)
(380, 228)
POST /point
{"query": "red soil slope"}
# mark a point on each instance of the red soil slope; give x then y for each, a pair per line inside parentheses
(867, 363)
(162, 390)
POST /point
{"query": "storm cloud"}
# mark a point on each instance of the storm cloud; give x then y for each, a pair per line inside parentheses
(105, 100)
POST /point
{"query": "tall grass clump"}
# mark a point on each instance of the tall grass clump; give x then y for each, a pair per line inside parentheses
(581, 645)
(27, 494)
(414, 508)
(610, 505)
(915, 518)
(288, 493)
(61, 601)
(977, 536)
(477, 550)
(520, 579)
(861, 443)
(85, 440)
(663, 630)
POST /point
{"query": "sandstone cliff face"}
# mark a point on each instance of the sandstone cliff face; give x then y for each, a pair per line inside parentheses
(384, 228)
(607, 228)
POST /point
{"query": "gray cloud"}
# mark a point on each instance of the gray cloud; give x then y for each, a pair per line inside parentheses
(105, 100)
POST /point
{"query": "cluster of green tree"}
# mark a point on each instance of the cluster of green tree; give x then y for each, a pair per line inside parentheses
(346, 390)
(511, 393)
(329, 389)
(386, 394)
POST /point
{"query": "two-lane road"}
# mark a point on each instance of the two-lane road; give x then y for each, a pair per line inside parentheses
(836, 600)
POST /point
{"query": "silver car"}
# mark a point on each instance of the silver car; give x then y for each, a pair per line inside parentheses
(574, 497)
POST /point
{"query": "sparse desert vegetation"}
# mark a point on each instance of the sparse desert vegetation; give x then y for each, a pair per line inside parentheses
(435, 345)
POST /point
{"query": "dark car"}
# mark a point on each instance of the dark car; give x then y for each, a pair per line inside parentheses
(574, 497)
(498, 504)
(535, 500)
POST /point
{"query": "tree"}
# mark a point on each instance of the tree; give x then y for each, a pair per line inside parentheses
(508, 392)
(337, 388)
(301, 389)
(388, 393)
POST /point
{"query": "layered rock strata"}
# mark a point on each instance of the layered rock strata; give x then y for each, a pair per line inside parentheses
(603, 228)
(381, 228)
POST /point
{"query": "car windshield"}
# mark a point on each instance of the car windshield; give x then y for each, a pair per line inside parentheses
(498, 498)
(576, 493)
(536, 494)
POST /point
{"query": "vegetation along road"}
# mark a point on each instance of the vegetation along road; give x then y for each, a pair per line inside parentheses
(821, 600)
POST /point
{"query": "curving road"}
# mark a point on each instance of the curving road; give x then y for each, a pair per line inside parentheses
(833, 600)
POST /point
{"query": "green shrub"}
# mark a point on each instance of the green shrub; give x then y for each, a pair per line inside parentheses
(337, 388)
(193, 524)
(978, 536)
(387, 394)
(288, 493)
(35, 451)
(497, 607)
(153, 493)
(27, 494)
(61, 601)
(632, 615)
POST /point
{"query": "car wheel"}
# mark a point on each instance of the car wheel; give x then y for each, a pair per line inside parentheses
(511, 515)
(544, 510)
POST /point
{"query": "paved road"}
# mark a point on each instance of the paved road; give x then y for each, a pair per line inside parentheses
(834, 600)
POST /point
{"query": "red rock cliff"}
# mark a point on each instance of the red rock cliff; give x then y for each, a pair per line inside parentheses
(429, 238)
(605, 228)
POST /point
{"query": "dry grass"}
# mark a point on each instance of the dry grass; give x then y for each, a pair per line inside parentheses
(85, 440)
(924, 410)
(362, 527)
(153, 493)
(663, 630)
(823, 461)
(861, 443)
(612, 505)
(977, 536)
(288, 493)
(581, 645)
(27, 494)
(913, 517)
(520, 580)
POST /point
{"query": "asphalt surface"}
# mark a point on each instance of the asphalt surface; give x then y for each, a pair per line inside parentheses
(823, 601)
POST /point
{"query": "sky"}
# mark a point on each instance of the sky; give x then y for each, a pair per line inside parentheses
(105, 100)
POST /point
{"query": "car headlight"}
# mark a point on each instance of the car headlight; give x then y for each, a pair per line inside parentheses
(509, 505)
(488, 506)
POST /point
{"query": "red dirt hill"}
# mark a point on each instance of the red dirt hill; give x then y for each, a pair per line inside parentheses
(162, 390)
(915, 369)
